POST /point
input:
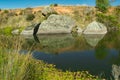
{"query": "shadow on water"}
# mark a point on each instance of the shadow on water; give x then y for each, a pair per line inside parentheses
(93, 53)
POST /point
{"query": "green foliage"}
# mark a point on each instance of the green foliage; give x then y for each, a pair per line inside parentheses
(102, 5)
(6, 11)
(118, 9)
(30, 17)
(53, 5)
(117, 12)
(108, 20)
(6, 30)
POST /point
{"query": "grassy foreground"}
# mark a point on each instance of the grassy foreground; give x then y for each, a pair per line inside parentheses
(15, 66)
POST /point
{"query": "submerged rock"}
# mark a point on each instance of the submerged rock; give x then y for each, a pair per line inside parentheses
(57, 24)
(95, 28)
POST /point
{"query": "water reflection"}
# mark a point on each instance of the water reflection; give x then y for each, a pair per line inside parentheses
(93, 39)
(95, 54)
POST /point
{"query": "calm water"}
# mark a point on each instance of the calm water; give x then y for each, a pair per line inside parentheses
(93, 53)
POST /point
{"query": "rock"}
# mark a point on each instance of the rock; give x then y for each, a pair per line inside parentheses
(30, 30)
(116, 72)
(57, 24)
(93, 39)
(95, 28)
(48, 11)
(16, 31)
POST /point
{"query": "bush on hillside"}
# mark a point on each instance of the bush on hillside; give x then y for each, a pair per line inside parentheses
(53, 5)
(27, 11)
(118, 12)
(108, 20)
(6, 11)
(30, 17)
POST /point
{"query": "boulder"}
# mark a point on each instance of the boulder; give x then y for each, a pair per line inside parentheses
(47, 11)
(116, 72)
(30, 30)
(95, 28)
(57, 24)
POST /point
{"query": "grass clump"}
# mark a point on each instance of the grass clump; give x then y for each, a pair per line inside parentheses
(14, 66)
(6, 30)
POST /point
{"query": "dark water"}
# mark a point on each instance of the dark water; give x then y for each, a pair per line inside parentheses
(94, 53)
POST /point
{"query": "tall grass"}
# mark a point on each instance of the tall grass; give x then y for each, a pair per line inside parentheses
(16, 66)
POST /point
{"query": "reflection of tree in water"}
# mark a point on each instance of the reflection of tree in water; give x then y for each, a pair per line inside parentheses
(116, 59)
(101, 52)
(110, 41)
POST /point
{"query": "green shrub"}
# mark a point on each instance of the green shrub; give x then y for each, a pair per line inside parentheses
(6, 11)
(30, 17)
(117, 12)
(6, 30)
(53, 5)
(118, 9)
(108, 20)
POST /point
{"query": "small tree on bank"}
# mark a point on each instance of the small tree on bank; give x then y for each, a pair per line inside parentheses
(102, 5)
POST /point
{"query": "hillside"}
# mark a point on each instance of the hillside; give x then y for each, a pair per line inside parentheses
(17, 18)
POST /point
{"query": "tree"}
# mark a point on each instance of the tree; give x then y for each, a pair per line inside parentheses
(102, 5)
